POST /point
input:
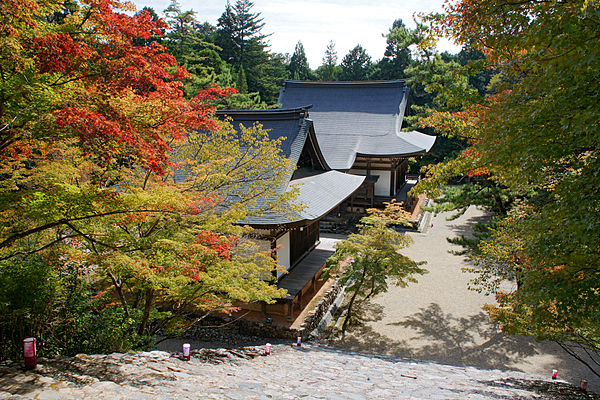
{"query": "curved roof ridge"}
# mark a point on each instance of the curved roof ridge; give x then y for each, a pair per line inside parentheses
(278, 113)
(346, 83)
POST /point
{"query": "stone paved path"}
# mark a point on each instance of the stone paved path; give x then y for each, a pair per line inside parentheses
(310, 372)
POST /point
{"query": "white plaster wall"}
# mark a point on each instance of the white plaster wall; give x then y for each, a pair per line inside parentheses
(382, 186)
(283, 253)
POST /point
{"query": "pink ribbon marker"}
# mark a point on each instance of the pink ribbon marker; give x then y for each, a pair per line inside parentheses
(30, 353)
(186, 352)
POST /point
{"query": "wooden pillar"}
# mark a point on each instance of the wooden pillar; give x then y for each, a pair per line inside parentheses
(398, 173)
(392, 181)
(319, 229)
(263, 306)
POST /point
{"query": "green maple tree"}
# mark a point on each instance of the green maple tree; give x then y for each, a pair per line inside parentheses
(535, 134)
(368, 261)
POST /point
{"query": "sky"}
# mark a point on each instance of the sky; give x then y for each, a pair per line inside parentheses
(315, 23)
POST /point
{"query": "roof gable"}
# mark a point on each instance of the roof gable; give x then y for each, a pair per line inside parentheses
(289, 124)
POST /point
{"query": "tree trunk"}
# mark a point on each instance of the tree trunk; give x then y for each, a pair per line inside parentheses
(499, 204)
(147, 308)
(119, 288)
(349, 312)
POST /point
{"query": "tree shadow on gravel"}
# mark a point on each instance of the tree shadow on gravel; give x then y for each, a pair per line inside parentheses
(465, 228)
(441, 337)
(460, 340)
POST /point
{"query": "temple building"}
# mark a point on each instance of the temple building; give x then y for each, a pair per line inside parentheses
(358, 128)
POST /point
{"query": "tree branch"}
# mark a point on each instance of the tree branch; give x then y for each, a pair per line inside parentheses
(64, 221)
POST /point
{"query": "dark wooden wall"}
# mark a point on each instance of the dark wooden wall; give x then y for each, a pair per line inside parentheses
(302, 241)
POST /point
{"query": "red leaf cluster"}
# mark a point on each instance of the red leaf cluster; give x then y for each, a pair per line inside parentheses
(220, 245)
(58, 52)
(101, 136)
(119, 95)
(200, 206)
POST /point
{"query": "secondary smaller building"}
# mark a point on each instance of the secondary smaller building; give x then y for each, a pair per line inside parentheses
(293, 237)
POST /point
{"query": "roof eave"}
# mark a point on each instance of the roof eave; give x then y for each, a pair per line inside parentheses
(394, 155)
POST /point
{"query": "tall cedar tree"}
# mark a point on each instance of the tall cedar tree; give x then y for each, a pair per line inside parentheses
(242, 43)
(192, 45)
(329, 70)
(298, 67)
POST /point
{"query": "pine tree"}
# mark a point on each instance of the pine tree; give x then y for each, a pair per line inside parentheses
(182, 28)
(298, 66)
(356, 65)
(186, 41)
(397, 55)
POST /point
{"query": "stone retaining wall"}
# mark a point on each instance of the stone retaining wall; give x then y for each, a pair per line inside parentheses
(316, 315)
(242, 329)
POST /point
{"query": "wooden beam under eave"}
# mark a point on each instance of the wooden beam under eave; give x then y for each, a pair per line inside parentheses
(374, 167)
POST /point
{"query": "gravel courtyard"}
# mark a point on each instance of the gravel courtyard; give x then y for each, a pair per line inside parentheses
(439, 319)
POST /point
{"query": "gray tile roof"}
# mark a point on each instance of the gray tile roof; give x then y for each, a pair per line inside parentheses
(318, 194)
(289, 123)
(318, 191)
(353, 118)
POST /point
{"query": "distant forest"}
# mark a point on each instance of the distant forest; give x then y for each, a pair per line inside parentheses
(235, 53)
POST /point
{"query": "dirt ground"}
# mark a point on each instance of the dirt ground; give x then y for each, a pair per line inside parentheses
(439, 319)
